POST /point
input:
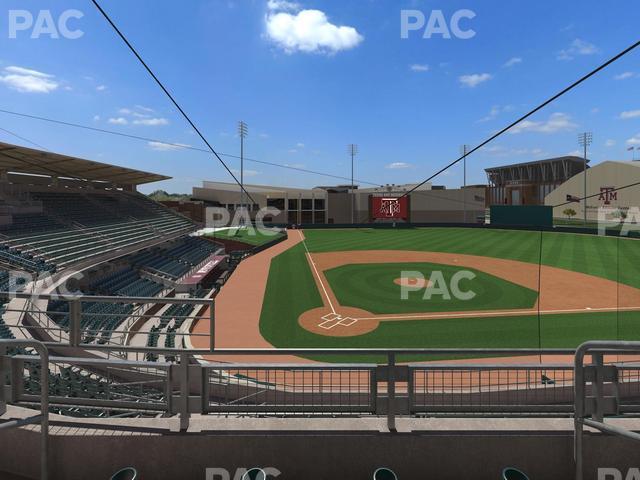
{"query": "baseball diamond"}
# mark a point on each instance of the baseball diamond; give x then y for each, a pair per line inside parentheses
(339, 288)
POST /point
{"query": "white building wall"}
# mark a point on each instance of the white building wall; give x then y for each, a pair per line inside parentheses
(600, 180)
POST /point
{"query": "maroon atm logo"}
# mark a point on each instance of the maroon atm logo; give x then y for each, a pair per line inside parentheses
(607, 195)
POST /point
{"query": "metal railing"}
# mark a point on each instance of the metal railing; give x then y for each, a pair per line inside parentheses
(43, 418)
(258, 388)
(590, 391)
(604, 389)
(78, 327)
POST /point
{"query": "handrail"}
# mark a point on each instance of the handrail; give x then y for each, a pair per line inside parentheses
(44, 399)
(597, 349)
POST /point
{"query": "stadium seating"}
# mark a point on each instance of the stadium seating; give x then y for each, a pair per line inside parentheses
(176, 261)
(75, 226)
(77, 383)
(5, 331)
(99, 320)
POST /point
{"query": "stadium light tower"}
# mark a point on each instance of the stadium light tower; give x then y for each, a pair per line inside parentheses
(352, 149)
(585, 139)
(463, 150)
(242, 133)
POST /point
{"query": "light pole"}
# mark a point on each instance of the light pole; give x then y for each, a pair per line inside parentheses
(242, 133)
(585, 139)
(352, 149)
(464, 149)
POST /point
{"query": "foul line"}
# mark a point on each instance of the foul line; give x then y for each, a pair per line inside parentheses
(333, 310)
(427, 316)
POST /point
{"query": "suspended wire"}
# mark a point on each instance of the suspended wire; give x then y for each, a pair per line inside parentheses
(173, 144)
(168, 94)
(37, 145)
(527, 115)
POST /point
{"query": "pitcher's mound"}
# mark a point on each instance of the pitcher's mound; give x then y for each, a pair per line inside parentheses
(413, 282)
(345, 323)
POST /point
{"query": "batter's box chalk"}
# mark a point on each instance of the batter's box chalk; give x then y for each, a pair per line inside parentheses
(347, 321)
(328, 324)
(330, 316)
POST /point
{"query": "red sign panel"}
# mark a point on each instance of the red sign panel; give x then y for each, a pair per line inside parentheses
(393, 208)
(211, 264)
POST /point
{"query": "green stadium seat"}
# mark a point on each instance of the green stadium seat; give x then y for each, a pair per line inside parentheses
(127, 473)
(383, 473)
(511, 473)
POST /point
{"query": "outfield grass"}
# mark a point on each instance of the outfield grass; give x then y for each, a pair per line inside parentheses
(253, 236)
(371, 287)
(291, 290)
(612, 258)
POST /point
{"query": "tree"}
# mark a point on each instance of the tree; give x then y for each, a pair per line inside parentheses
(569, 212)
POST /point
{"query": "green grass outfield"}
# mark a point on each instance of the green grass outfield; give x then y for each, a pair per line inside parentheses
(291, 290)
(371, 287)
(254, 237)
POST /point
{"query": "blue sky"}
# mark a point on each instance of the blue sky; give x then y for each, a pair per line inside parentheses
(310, 77)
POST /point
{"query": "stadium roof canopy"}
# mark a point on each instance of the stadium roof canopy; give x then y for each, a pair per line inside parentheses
(17, 159)
(549, 171)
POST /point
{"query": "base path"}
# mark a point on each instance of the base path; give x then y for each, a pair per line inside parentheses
(238, 307)
(560, 291)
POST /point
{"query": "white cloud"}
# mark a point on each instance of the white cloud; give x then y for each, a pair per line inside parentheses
(609, 143)
(624, 76)
(96, 118)
(264, 135)
(308, 31)
(557, 122)
(151, 122)
(165, 147)
(500, 151)
(300, 145)
(118, 121)
(635, 140)
(247, 173)
(139, 115)
(512, 61)
(283, 5)
(474, 79)
(419, 67)
(398, 165)
(577, 47)
(495, 111)
(101, 88)
(630, 114)
(25, 80)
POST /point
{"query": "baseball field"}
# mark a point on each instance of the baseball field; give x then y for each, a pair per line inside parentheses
(386, 288)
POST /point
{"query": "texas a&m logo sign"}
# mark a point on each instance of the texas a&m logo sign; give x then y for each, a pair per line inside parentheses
(389, 207)
(607, 195)
(395, 208)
